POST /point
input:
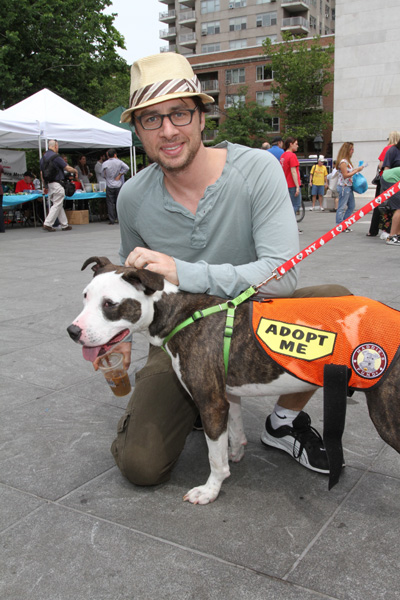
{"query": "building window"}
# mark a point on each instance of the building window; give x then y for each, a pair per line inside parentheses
(206, 48)
(264, 98)
(237, 24)
(327, 11)
(273, 124)
(234, 100)
(236, 44)
(259, 40)
(237, 3)
(210, 28)
(208, 6)
(234, 76)
(333, 14)
(313, 22)
(266, 19)
(263, 1)
(264, 72)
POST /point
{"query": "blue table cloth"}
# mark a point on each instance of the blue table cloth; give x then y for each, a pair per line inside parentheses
(14, 199)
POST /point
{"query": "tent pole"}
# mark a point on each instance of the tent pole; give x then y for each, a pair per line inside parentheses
(42, 180)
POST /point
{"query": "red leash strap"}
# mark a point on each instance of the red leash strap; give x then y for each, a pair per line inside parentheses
(292, 262)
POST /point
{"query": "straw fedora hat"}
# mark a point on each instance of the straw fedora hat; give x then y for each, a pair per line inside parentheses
(162, 77)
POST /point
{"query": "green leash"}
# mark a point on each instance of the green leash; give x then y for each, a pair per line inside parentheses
(230, 307)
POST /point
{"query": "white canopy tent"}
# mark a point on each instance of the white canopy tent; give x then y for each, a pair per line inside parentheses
(45, 116)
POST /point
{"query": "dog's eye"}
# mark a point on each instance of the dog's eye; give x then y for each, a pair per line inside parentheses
(109, 304)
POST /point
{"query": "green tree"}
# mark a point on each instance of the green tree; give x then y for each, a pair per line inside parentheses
(246, 123)
(302, 70)
(67, 46)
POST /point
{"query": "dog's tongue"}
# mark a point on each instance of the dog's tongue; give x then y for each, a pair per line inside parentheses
(91, 354)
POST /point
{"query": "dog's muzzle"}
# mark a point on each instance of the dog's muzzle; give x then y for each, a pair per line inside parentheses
(74, 332)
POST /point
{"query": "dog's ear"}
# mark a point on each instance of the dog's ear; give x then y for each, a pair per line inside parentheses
(101, 262)
(152, 282)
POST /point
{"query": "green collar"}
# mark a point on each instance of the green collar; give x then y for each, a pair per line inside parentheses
(230, 307)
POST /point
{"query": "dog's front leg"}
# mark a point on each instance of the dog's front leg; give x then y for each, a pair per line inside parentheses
(236, 436)
(218, 457)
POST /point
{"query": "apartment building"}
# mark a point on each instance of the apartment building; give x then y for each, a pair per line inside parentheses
(223, 74)
(208, 26)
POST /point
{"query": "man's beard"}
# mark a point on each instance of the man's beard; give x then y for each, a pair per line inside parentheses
(179, 169)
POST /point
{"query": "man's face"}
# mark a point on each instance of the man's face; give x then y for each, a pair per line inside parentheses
(27, 179)
(172, 147)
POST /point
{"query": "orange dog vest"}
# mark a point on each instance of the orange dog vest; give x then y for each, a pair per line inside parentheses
(303, 334)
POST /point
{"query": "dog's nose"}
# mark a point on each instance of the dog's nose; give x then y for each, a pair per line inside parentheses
(75, 332)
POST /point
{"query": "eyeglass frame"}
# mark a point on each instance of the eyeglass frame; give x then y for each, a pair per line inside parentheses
(189, 110)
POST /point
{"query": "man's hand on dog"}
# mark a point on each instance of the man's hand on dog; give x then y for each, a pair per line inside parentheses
(124, 348)
(143, 258)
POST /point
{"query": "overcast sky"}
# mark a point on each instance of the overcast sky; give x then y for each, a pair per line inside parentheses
(138, 22)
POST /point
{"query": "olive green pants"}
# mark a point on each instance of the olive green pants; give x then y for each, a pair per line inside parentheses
(160, 414)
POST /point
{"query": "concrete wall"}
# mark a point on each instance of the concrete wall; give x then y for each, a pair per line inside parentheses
(367, 77)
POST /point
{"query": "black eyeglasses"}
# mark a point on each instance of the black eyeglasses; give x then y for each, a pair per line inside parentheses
(179, 118)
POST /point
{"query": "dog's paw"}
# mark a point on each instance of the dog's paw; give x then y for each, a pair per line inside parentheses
(236, 454)
(204, 494)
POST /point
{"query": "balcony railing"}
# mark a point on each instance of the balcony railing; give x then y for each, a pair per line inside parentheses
(299, 24)
(168, 16)
(210, 85)
(188, 16)
(209, 135)
(168, 34)
(171, 48)
(187, 38)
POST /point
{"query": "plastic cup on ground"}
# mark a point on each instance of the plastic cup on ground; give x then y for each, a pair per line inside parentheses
(112, 367)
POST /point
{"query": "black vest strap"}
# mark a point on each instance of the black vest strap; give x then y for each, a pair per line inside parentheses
(336, 379)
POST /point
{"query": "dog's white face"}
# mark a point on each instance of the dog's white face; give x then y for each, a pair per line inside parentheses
(113, 308)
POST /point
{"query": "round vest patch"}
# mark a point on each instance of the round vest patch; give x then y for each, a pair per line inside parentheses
(369, 361)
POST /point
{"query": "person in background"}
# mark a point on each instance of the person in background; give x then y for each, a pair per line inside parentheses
(113, 171)
(346, 170)
(83, 170)
(2, 228)
(391, 170)
(277, 147)
(394, 137)
(55, 190)
(98, 169)
(266, 146)
(332, 180)
(26, 183)
(290, 165)
(318, 182)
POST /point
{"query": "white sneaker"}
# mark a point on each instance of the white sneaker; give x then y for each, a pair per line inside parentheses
(322, 208)
(384, 235)
(311, 208)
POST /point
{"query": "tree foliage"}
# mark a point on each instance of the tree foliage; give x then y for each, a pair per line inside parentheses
(302, 70)
(67, 46)
(246, 123)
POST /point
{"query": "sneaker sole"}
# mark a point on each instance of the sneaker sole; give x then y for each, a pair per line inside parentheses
(286, 444)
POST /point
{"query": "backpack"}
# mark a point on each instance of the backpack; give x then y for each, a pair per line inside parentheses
(49, 169)
(333, 181)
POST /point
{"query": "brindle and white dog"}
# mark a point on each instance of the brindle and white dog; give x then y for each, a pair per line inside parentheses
(121, 300)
